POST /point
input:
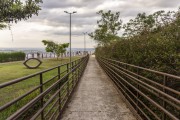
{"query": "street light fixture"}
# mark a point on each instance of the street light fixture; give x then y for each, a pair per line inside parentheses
(84, 42)
(70, 13)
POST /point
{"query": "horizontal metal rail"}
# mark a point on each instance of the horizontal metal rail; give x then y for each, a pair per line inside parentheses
(50, 101)
(29, 76)
(147, 91)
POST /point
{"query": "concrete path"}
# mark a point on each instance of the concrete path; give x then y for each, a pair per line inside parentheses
(96, 98)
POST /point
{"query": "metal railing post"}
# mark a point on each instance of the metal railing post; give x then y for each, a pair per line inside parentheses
(41, 90)
(79, 68)
(59, 77)
(68, 78)
(164, 90)
(76, 72)
(126, 85)
(59, 72)
(73, 74)
(137, 95)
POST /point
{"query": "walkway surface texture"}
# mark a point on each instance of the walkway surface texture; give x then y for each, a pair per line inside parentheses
(96, 98)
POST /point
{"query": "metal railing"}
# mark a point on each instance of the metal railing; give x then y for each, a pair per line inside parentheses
(49, 101)
(151, 95)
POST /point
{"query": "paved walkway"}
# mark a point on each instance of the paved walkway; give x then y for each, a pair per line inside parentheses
(96, 98)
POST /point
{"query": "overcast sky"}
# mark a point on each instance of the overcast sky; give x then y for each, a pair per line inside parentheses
(53, 24)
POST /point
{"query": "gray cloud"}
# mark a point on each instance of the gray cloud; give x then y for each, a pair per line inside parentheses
(52, 13)
(49, 4)
(52, 23)
(168, 3)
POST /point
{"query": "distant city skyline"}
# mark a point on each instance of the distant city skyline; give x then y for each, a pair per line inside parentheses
(53, 24)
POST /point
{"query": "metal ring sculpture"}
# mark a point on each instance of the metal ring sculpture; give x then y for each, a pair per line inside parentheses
(32, 67)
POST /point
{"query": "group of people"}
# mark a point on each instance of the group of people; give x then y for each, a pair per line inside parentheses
(46, 55)
(78, 53)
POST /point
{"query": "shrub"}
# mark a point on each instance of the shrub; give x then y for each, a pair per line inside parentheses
(12, 56)
(159, 51)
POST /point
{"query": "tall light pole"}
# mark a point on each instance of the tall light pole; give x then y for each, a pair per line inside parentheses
(70, 13)
(84, 41)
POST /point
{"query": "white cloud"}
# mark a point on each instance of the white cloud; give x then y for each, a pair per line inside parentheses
(110, 5)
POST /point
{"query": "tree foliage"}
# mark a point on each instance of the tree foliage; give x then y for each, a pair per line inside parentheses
(149, 43)
(16, 10)
(145, 24)
(56, 48)
(108, 27)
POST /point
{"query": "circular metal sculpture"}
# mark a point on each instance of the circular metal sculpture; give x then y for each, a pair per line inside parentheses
(32, 67)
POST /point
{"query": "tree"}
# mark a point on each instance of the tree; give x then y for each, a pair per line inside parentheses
(108, 27)
(56, 48)
(16, 10)
(153, 42)
(145, 24)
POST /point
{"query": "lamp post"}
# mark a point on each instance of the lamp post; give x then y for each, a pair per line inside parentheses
(70, 13)
(84, 42)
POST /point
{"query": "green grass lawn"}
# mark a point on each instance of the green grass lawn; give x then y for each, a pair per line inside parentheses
(14, 70)
(10, 71)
